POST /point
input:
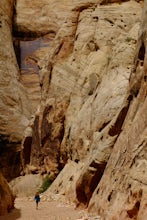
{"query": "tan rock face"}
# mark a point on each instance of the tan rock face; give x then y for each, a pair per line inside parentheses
(12, 93)
(45, 147)
(14, 109)
(27, 185)
(92, 79)
(122, 190)
(84, 66)
(45, 16)
(6, 197)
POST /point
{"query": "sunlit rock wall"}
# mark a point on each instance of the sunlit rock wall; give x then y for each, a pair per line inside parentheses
(122, 193)
(84, 76)
(15, 109)
(93, 96)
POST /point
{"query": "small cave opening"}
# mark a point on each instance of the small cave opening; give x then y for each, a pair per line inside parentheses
(88, 182)
(10, 158)
(132, 213)
(141, 56)
(110, 196)
(141, 53)
(117, 127)
(26, 153)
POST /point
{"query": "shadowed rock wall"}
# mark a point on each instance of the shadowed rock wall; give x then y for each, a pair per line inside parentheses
(6, 197)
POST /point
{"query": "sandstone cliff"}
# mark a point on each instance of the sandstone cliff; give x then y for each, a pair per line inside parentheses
(15, 111)
(91, 85)
(6, 197)
(122, 190)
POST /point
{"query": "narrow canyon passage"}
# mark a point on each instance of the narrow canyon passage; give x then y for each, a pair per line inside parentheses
(28, 50)
(73, 109)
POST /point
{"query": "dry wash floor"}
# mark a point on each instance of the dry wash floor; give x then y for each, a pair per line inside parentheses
(25, 210)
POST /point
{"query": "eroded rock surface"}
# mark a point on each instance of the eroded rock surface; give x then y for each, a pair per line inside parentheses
(6, 197)
(15, 109)
(122, 190)
(91, 121)
(85, 68)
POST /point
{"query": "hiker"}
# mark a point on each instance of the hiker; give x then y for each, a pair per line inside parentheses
(37, 199)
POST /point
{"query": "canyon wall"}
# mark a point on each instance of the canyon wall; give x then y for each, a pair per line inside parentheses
(15, 109)
(122, 192)
(88, 96)
(6, 197)
(83, 77)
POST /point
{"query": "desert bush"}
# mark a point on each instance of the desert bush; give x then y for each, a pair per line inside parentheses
(45, 184)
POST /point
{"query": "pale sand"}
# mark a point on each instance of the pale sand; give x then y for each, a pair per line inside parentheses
(52, 210)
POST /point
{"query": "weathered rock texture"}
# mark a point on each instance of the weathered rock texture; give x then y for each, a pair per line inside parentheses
(6, 197)
(14, 108)
(91, 121)
(122, 190)
(86, 73)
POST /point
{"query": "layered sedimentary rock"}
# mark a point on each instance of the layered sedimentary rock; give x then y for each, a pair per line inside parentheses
(14, 108)
(122, 192)
(92, 115)
(85, 77)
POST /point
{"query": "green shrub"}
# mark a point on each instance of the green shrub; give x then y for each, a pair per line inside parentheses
(45, 184)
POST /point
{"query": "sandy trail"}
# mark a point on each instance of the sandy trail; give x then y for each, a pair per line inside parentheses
(53, 210)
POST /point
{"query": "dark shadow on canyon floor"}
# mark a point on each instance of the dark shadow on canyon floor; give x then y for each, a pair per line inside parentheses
(13, 215)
